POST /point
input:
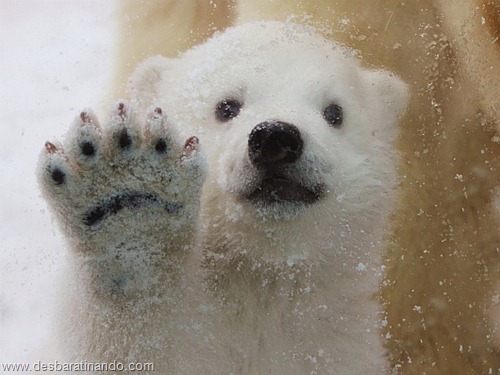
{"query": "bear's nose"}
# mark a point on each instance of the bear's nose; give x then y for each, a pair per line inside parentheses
(274, 142)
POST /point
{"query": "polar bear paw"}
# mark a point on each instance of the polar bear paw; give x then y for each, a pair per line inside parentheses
(120, 183)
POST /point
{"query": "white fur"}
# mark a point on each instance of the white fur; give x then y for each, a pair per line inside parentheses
(284, 288)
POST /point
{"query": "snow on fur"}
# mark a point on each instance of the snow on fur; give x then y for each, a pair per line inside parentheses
(277, 271)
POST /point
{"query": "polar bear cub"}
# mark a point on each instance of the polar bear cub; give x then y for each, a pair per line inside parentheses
(254, 247)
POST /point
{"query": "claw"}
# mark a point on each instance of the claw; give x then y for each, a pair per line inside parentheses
(88, 117)
(154, 121)
(122, 110)
(85, 117)
(190, 146)
(192, 142)
(50, 147)
(155, 114)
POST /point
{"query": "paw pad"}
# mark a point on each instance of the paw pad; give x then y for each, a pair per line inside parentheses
(124, 139)
(123, 133)
(94, 178)
(128, 199)
(87, 148)
(161, 146)
(58, 176)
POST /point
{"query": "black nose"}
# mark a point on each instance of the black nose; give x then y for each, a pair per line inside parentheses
(274, 142)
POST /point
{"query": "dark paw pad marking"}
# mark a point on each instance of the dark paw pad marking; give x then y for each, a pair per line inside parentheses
(124, 140)
(88, 149)
(161, 146)
(58, 176)
(130, 199)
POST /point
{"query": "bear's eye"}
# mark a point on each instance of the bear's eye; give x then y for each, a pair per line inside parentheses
(333, 114)
(227, 109)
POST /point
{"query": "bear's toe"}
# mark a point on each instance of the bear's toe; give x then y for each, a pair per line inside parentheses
(84, 139)
(53, 166)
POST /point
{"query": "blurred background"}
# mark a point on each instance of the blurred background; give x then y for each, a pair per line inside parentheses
(58, 57)
(55, 59)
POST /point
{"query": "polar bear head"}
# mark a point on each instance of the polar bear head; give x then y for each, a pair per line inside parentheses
(298, 134)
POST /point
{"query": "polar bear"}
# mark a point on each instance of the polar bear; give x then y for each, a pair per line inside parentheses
(253, 247)
(440, 289)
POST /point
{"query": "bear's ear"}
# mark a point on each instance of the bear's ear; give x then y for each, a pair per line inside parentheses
(390, 93)
(144, 84)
